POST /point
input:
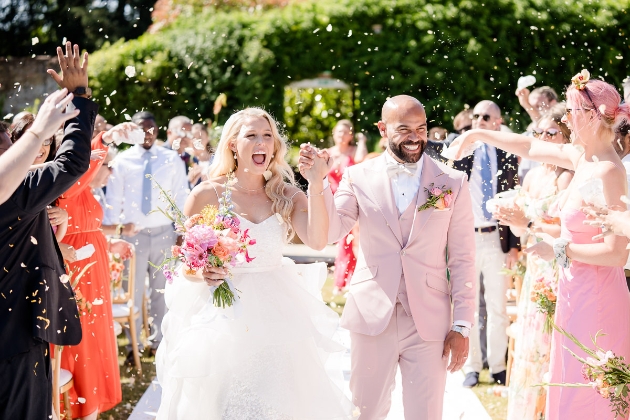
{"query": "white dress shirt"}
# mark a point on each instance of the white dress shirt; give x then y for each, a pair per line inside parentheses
(124, 188)
(476, 193)
(404, 186)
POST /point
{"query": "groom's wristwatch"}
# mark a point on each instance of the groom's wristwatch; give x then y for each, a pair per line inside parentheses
(464, 331)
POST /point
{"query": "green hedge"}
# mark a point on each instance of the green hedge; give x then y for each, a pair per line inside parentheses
(446, 53)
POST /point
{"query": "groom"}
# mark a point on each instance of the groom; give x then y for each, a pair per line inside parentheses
(412, 297)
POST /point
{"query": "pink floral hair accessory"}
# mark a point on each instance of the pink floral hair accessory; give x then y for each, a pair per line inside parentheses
(581, 79)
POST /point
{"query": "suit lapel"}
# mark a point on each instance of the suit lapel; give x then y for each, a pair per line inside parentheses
(381, 192)
(431, 173)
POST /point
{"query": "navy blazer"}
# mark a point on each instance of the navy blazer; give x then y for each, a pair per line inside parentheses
(35, 305)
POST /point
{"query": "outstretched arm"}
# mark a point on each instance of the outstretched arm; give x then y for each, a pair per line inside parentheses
(563, 155)
(342, 210)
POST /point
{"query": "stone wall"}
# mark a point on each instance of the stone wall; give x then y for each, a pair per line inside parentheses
(23, 80)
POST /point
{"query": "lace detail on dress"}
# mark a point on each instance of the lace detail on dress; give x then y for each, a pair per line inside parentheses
(267, 251)
(243, 403)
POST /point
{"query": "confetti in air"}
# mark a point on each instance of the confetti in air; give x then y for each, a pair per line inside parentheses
(130, 71)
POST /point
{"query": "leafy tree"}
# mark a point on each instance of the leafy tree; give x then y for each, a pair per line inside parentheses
(39, 26)
(448, 53)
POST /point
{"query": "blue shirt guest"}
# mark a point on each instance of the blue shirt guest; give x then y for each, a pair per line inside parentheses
(132, 198)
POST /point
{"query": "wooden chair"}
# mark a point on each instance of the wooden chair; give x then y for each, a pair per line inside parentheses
(62, 383)
(512, 313)
(145, 314)
(124, 310)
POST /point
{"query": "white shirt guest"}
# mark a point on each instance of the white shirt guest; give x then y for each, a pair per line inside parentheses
(133, 198)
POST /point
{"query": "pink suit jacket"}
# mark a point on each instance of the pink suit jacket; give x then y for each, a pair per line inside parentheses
(365, 195)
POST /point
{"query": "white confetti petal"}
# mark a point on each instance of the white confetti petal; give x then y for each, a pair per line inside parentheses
(35, 40)
(130, 71)
(81, 400)
(34, 240)
(64, 278)
(127, 117)
(97, 301)
(329, 27)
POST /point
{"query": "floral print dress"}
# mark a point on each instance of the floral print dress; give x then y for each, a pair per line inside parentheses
(532, 344)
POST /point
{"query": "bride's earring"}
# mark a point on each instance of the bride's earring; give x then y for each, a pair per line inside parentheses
(234, 155)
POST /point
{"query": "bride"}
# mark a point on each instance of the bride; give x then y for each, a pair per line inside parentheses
(264, 358)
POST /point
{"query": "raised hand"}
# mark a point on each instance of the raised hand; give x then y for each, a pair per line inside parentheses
(512, 216)
(461, 147)
(51, 114)
(73, 73)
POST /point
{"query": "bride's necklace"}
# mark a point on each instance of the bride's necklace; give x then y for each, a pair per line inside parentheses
(249, 190)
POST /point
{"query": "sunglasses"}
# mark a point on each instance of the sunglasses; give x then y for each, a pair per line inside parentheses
(551, 132)
(48, 142)
(485, 117)
(568, 111)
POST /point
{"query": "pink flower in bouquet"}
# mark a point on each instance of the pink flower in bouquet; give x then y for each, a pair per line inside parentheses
(231, 244)
(196, 256)
(229, 222)
(202, 235)
(435, 191)
(176, 251)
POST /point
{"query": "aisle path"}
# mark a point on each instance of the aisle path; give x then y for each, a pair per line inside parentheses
(459, 403)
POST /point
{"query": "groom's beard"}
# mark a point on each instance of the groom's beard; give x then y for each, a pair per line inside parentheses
(404, 155)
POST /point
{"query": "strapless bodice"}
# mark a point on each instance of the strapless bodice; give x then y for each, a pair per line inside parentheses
(575, 230)
(267, 251)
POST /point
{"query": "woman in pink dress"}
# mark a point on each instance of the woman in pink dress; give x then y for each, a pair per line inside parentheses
(344, 154)
(592, 292)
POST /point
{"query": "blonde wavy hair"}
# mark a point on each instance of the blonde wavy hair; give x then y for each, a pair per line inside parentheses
(281, 171)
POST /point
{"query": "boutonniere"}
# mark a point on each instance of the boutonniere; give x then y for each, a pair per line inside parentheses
(439, 197)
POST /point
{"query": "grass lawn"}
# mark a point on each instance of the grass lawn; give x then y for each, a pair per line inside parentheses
(134, 385)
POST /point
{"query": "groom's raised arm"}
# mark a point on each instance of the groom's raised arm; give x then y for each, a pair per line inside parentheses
(343, 209)
(461, 256)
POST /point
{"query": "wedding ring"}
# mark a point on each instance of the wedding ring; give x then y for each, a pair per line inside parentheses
(58, 106)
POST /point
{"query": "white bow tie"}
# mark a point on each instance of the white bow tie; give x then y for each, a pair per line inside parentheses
(394, 169)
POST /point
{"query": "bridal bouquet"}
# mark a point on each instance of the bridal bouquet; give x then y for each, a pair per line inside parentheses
(544, 294)
(607, 374)
(212, 238)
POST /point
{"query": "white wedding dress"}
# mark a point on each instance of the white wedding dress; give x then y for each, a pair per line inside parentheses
(264, 358)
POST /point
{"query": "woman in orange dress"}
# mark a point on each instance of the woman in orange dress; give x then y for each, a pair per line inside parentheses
(94, 362)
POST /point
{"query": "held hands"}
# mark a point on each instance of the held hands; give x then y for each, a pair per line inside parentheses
(74, 74)
(314, 164)
(457, 346)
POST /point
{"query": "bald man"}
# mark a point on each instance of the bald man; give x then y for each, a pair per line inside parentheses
(490, 171)
(404, 308)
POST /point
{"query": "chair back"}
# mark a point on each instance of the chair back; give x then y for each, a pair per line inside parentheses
(56, 372)
(120, 295)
